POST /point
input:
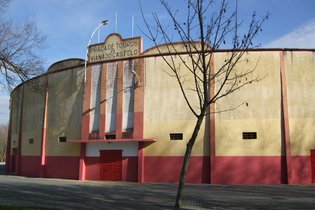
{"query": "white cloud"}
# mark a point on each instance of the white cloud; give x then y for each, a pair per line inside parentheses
(302, 37)
(4, 109)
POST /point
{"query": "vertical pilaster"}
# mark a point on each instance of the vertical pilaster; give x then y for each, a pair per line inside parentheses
(139, 100)
(102, 123)
(120, 92)
(212, 122)
(19, 149)
(286, 125)
(85, 130)
(141, 162)
(8, 160)
(138, 129)
(42, 166)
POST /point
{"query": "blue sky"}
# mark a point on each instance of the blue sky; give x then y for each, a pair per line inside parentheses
(68, 24)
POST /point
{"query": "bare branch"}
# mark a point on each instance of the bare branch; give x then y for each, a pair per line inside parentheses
(208, 26)
(18, 61)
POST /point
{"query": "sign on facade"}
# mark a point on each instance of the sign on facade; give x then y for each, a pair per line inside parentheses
(114, 48)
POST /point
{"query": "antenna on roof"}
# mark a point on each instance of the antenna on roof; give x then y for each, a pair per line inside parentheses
(98, 34)
(132, 23)
(116, 23)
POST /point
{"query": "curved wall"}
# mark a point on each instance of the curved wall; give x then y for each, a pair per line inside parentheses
(141, 102)
(35, 131)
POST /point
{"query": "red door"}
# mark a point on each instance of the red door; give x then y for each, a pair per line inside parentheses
(313, 165)
(111, 165)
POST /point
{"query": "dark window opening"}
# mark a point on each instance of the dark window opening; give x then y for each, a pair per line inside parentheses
(94, 135)
(62, 139)
(176, 136)
(249, 135)
(110, 136)
(127, 135)
(31, 141)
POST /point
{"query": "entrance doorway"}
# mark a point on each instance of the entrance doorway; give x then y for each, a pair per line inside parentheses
(313, 165)
(111, 165)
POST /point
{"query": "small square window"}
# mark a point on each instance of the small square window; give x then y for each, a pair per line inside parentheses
(176, 136)
(62, 139)
(31, 141)
(249, 135)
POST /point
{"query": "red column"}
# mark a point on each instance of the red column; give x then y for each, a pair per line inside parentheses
(8, 160)
(119, 110)
(138, 124)
(18, 165)
(285, 118)
(44, 134)
(102, 122)
(212, 122)
(141, 162)
(85, 129)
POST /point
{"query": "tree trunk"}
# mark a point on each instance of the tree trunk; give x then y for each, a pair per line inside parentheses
(189, 147)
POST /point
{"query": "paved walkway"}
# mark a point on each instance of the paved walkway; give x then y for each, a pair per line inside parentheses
(82, 195)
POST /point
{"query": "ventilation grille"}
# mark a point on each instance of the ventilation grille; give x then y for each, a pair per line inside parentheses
(62, 139)
(249, 135)
(176, 136)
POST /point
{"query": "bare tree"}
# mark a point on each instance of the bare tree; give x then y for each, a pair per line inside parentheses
(18, 61)
(208, 26)
(3, 141)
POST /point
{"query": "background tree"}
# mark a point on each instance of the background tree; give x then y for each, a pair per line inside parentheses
(204, 28)
(3, 141)
(18, 60)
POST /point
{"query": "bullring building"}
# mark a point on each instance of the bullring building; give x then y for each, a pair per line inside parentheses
(121, 117)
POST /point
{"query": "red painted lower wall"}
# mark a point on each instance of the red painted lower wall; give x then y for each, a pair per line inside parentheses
(129, 169)
(167, 169)
(227, 170)
(261, 170)
(301, 170)
(66, 167)
(92, 168)
(30, 166)
(247, 170)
